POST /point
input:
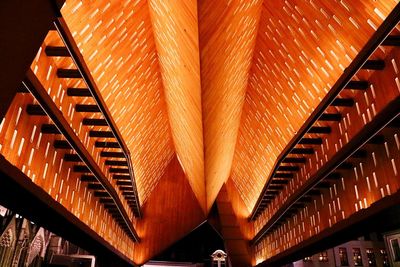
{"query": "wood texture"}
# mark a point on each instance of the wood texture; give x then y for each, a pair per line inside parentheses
(176, 34)
(236, 238)
(117, 42)
(368, 176)
(227, 32)
(302, 48)
(171, 212)
(206, 95)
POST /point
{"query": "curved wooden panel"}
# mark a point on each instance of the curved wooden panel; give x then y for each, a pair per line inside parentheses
(117, 44)
(227, 31)
(176, 35)
(302, 48)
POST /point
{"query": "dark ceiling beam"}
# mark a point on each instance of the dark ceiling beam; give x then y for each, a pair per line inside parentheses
(310, 141)
(375, 64)
(106, 144)
(94, 122)
(77, 57)
(35, 110)
(357, 85)
(288, 168)
(22, 32)
(320, 130)
(49, 129)
(294, 160)
(343, 82)
(330, 117)
(56, 51)
(68, 74)
(79, 92)
(116, 163)
(343, 102)
(72, 158)
(110, 154)
(39, 92)
(87, 108)
(283, 175)
(392, 40)
(302, 151)
(61, 144)
(101, 134)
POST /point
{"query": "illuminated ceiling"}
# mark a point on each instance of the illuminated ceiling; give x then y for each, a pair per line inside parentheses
(220, 86)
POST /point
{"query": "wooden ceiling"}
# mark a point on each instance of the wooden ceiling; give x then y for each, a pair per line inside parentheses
(302, 48)
(219, 87)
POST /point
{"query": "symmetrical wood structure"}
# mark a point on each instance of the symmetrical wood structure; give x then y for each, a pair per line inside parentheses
(136, 117)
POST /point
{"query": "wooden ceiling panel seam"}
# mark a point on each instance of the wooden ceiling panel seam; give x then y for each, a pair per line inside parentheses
(227, 40)
(177, 49)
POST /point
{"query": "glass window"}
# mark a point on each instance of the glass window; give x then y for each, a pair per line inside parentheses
(357, 257)
(395, 249)
(344, 260)
(371, 257)
(323, 256)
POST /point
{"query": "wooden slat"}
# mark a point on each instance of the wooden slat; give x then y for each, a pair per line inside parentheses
(69, 73)
(56, 51)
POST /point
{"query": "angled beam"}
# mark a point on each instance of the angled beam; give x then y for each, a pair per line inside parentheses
(77, 57)
(39, 92)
